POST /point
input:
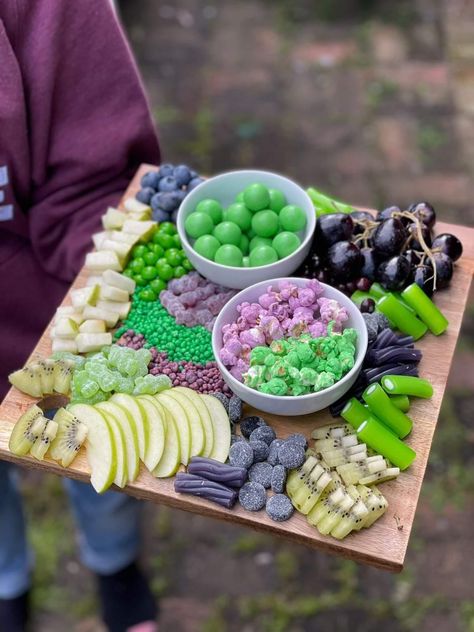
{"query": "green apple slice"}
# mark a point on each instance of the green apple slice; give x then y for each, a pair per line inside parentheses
(221, 425)
(129, 430)
(180, 418)
(195, 424)
(156, 434)
(131, 405)
(100, 447)
(206, 420)
(169, 463)
(121, 474)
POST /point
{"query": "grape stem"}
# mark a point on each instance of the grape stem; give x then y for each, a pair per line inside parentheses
(419, 234)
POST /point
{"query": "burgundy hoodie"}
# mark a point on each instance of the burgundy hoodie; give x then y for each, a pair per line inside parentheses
(74, 126)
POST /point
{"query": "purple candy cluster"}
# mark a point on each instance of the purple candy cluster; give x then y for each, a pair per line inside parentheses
(202, 378)
(193, 300)
(288, 311)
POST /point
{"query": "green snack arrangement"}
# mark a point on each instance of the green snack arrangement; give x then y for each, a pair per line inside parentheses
(380, 405)
(401, 401)
(380, 439)
(436, 322)
(401, 316)
(407, 385)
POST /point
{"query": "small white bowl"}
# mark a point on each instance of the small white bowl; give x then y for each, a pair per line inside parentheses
(290, 405)
(224, 188)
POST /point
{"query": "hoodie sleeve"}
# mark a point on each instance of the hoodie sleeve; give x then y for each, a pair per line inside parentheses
(89, 123)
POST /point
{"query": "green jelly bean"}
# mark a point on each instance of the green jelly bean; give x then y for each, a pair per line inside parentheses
(425, 308)
(401, 402)
(401, 316)
(407, 385)
(379, 438)
(354, 413)
(380, 405)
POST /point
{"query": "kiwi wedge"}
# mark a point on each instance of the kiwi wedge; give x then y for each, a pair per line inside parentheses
(43, 442)
(27, 430)
(70, 436)
(27, 380)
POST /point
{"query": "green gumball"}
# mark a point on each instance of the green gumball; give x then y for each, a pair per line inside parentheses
(277, 200)
(265, 223)
(292, 218)
(229, 255)
(262, 256)
(256, 197)
(211, 208)
(240, 215)
(197, 224)
(285, 243)
(207, 246)
(228, 233)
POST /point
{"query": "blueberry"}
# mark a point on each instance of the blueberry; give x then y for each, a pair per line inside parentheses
(260, 450)
(194, 174)
(291, 455)
(241, 454)
(168, 183)
(299, 439)
(249, 424)
(159, 215)
(263, 433)
(273, 452)
(155, 202)
(145, 194)
(278, 479)
(279, 507)
(167, 201)
(194, 183)
(174, 216)
(166, 170)
(182, 175)
(235, 409)
(252, 496)
(224, 400)
(261, 473)
(151, 179)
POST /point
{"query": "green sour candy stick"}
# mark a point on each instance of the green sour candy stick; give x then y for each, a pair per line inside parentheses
(401, 402)
(380, 405)
(380, 439)
(377, 291)
(407, 385)
(357, 297)
(401, 316)
(354, 413)
(425, 308)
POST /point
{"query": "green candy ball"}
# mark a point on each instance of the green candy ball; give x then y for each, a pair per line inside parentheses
(139, 251)
(166, 227)
(227, 233)
(259, 241)
(179, 271)
(292, 218)
(197, 224)
(157, 285)
(147, 295)
(285, 243)
(262, 256)
(212, 208)
(240, 215)
(244, 244)
(207, 246)
(149, 273)
(150, 258)
(240, 197)
(246, 262)
(265, 223)
(256, 197)
(277, 200)
(229, 255)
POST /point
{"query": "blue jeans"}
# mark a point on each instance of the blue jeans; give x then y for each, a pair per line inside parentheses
(108, 525)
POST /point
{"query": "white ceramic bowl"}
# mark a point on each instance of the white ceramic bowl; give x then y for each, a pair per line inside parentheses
(224, 188)
(290, 405)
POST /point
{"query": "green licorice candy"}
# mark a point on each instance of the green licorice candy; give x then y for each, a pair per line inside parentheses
(354, 413)
(425, 308)
(401, 402)
(401, 316)
(407, 385)
(380, 439)
(358, 296)
(377, 291)
(380, 405)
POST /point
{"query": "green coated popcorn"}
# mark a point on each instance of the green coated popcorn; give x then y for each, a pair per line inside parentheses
(270, 359)
(308, 376)
(254, 376)
(279, 347)
(323, 381)
(293, 360)
(259, 354)
(275, 386)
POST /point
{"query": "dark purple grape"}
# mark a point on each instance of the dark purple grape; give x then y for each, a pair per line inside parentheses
(332, 228)
(412, 257)
(351, 287)
(367, 306)
(387, 213)
(389, 237)
(413, 233)
(424, 212)
(345, 261)
(363, 284)
(361, 216)
(449, 245)
(394, 273)
(370, 263)
(424, 278)
(444, 270)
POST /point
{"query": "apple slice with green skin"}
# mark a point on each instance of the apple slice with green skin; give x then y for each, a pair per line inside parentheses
(203, 414)
(221, 425)
(130, 433)
(121, 474)
(195, 424)
(133, 408)
(176, 411)
(156, 434)
(100, 447)
(171, 459)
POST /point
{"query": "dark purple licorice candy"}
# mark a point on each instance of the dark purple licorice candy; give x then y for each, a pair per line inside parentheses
(198, 486)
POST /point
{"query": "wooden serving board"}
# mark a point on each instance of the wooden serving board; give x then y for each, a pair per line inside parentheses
(383, 545)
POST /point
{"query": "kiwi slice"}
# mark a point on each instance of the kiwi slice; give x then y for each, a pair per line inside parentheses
(27, 380)
(42, 443)
(46, 371)
(70, 436)
(63, 372)
(27, 430)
